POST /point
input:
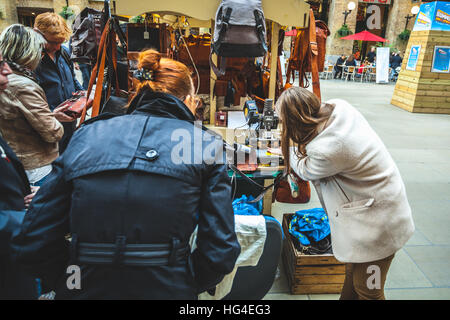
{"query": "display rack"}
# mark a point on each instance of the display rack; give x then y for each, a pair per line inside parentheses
(201, 14)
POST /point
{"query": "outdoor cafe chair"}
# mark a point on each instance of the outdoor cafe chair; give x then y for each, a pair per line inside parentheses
(372, 73)
(328, 71)
(349, 71)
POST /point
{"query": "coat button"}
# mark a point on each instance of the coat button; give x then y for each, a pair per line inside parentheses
(152, 154)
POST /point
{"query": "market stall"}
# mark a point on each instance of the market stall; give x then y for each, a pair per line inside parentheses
(201, 14)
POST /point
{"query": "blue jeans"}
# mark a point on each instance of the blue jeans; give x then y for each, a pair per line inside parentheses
(86, 70)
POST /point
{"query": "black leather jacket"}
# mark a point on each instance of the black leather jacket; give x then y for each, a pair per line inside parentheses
(14, 186)
(120, 184)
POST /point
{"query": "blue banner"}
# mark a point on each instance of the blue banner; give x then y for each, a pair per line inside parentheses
(433, 16)
(441, 59)
(413, 58)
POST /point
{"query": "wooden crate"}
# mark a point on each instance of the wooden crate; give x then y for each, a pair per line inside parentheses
(310, 273)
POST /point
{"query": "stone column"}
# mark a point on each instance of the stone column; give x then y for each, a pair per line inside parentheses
(8, 12)
(335, 46)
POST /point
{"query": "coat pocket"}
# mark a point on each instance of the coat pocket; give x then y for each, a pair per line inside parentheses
(357, 205)
(356, 228)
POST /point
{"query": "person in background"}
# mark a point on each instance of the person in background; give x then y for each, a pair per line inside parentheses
(396, 62)
(371, 55)
(338, 66)
(358, 184)
(55, 73)
(26, 122)
(15, 195)
(350, 62)
(130, 231)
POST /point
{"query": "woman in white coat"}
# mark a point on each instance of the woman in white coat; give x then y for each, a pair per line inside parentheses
(358, 184)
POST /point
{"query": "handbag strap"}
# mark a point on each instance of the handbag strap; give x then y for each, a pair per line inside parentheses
(314, 55)
(100, 64)
(277, 180)
(107, 41)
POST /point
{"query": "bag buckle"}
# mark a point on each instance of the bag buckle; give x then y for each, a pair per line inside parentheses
(119, 249)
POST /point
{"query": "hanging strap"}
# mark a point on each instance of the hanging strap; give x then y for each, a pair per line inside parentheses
(223, 29)
(314, 55)
(107, 42)
(277, 180)
(98, 65)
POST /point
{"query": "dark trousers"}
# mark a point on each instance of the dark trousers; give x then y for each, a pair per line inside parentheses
(365, 281)
(337, 72)
(69, 128)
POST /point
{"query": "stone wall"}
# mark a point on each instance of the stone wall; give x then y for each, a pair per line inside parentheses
(9, 13)
(396, 23)
(8, 8)
(335, 45)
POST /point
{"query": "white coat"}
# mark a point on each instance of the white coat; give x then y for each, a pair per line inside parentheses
(359, 186)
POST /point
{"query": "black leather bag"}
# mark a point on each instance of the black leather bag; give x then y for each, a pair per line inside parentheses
(115, 105)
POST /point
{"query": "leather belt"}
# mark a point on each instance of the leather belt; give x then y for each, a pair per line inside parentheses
(131, 254)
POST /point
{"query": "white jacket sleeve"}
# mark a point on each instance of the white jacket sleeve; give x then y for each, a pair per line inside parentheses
(317, 165)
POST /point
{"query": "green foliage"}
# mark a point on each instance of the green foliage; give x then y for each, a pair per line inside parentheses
(344, 31)
(66, 12)
(404, 36)
(137, 19)
(392, 46)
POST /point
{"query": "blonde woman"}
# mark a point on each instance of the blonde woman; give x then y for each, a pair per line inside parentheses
(358, 184)
(55, 73)
(26, 122)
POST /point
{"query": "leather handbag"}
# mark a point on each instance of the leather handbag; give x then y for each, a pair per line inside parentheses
(308, 54)
(284, 190)
(198, 47)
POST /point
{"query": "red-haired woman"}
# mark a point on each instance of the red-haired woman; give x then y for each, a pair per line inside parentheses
(130, 190)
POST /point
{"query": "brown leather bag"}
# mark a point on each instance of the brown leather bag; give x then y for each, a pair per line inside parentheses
(283, 192)
(199, 48)
(308, 54)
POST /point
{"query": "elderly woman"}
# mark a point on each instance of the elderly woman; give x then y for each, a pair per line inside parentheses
(26, 122)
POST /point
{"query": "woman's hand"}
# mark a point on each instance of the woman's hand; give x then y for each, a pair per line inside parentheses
(62, 117)
(30, 197)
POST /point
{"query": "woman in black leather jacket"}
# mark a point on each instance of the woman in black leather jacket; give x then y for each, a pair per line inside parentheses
(15, 192)
(130, 190)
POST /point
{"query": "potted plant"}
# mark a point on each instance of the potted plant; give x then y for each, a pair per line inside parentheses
(66, 12)
(344, 31)
(137, 19)
(404, 36)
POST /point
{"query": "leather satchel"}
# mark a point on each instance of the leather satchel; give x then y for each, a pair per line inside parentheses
(75, 105)
(308, 54)
(292, 190)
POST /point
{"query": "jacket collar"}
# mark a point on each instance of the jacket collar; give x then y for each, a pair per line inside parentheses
(160, 104)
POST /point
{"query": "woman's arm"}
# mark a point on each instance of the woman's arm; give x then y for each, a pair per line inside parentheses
(40, 247)
(217, 245)
(37, 112)
(318, 165)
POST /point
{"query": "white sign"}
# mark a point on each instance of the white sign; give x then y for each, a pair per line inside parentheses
(382, 65)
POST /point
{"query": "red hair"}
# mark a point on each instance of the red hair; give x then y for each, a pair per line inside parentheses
(169, 76)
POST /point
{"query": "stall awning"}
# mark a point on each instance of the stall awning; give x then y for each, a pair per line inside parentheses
(284, 12)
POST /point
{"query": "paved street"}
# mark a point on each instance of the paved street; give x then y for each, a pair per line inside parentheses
(420, 145)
